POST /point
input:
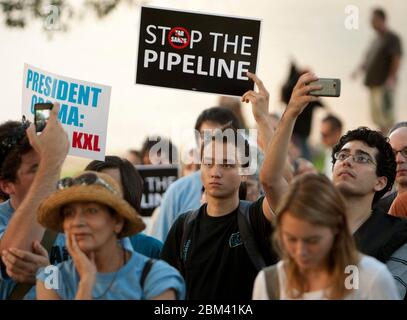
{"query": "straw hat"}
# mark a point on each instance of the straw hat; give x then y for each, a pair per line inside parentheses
(104, 190)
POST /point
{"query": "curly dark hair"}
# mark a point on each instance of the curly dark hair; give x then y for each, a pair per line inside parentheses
(385, 159)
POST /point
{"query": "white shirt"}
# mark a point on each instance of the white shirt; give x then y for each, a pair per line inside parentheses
(375, 283)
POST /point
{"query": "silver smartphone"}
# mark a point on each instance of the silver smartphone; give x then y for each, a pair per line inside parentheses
(330, 87)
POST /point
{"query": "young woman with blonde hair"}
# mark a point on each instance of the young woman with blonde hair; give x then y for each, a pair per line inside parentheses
(319, 257)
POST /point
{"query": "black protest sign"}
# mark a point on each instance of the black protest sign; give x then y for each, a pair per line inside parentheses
(198, 52)
(156, 179)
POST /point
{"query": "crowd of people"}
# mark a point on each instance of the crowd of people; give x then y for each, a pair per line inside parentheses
(292, 228)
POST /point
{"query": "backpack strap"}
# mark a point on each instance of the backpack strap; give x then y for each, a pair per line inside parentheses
(190, 216)
(272, 282)
(247, 235)
(146, 269)
(21, 289)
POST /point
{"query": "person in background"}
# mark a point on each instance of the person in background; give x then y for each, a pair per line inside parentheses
(330, 131)
(381, 66)
(302, 127)
(158, 150)
(134, 156)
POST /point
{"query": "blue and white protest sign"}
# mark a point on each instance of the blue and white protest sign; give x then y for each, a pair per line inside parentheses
(84, 108)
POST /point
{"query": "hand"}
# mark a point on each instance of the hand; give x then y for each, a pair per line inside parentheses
(22, 265)
(300, 96)
(85, 265)
(52, 144)
(259, 100)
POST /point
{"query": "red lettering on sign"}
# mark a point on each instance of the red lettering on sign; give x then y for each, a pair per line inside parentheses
(76, 140)
(89, 141)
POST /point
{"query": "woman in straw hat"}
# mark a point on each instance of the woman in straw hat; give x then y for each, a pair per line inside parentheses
(90, 210)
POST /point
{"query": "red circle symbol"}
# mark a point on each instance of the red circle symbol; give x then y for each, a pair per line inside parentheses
(178, 38)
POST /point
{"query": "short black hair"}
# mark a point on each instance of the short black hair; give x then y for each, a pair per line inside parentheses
(398, 125)
(132, 182)
(335, 122)
(239, 141)
(13, 145)
(385, 159)
(220, 115)
(380, 13)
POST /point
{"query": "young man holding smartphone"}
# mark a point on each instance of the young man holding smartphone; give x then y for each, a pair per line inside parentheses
(30, 166)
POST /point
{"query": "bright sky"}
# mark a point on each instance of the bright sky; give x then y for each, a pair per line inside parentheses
(104, 51)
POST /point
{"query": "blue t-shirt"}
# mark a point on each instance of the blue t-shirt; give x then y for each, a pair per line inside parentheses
(123, 284)
(182, 195)
(146, 245)
(57, 254)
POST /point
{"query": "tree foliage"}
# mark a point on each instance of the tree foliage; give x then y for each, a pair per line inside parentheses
(56, 14)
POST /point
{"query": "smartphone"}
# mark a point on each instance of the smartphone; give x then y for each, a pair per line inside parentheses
(42, 111)
(330, 87)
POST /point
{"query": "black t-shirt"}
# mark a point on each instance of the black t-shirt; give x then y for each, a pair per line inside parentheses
(381, 235)
(217, 265)
(385, 203)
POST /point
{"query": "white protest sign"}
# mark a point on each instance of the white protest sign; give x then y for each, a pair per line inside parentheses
(84, 108)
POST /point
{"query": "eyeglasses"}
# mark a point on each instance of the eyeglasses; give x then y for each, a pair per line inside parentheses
(360, 158)
(403, 152)
(85, 179)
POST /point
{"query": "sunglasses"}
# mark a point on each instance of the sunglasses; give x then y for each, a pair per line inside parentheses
(84, 180)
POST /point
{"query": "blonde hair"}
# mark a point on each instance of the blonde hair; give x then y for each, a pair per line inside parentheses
(315, 199)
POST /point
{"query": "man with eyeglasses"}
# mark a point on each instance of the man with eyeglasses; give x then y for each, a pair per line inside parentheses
(398, 142)
(364, 169)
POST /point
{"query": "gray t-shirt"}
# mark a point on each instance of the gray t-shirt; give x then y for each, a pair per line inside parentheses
(379, 58)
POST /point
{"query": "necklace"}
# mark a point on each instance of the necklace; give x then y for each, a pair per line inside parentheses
(114, 277)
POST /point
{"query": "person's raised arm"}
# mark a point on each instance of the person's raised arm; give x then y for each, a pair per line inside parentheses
(260, 109)
(275, 160)
(52, 147)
